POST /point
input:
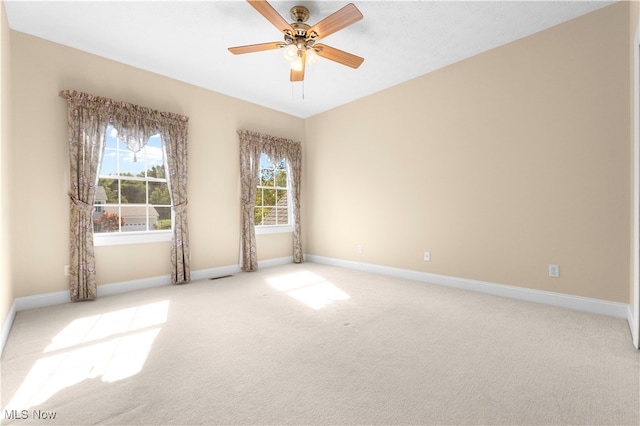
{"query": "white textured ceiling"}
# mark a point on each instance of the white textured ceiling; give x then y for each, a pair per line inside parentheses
(188, 40)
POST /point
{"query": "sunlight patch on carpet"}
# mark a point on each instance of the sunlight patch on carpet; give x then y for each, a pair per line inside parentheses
(112, 346)
(311, 289)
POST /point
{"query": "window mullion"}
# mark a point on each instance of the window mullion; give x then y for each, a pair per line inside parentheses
(272, 189)
(138, 206)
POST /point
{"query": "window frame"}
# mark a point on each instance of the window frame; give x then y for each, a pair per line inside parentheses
(132, 237)
(276, 229)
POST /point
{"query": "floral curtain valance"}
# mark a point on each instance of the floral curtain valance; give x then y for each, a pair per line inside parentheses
(277, 149)
(135, 124)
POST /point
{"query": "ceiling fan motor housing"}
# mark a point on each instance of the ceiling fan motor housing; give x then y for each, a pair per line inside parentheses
(299, 14)
(300, 37)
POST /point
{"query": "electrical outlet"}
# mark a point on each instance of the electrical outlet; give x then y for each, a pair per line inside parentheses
(554, 271)
(427, 256)
(67, 270)
(359, 249)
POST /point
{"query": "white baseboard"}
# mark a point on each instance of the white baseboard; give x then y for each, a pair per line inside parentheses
(6, 326)
(133, 285)
(630, 319)
(596, 306)
(205, 274)
(634, 326)
(275, 262)
(41, 300)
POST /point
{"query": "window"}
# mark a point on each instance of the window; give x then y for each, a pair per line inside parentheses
(132, 194)
(272, 212)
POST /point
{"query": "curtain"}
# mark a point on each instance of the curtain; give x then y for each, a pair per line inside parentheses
(88, 118)
(249, 167)
(87, 121)
(252, 145)
(174, 140)
(294, 158)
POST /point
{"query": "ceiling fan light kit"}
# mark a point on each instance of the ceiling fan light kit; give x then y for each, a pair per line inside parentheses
(299, 46)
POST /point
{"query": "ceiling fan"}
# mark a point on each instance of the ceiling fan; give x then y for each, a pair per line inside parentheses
(300, 39)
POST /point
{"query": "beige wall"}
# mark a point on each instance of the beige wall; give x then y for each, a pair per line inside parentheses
(634, 18)
(40, 69)
(6, 283)
(498, 165)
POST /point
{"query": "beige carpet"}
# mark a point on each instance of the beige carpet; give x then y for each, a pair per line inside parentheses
(316, 344)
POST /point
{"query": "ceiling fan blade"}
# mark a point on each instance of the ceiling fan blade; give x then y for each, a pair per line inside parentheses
(299, 75)
(339, 56)
(266, 10)
(336, 21)
(250, 48)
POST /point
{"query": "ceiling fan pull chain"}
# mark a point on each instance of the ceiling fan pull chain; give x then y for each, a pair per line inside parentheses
(293, 89)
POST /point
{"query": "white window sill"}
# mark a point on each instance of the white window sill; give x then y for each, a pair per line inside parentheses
(260, 230)
(115, 239)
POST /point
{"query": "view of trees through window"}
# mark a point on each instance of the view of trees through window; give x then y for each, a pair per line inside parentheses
(272, 202)
(132, 192)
